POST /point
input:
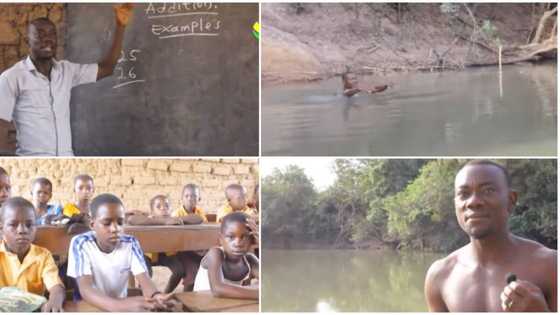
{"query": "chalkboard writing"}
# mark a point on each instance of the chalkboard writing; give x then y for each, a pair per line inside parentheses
(186, 82)
(204, 19)
(125, 69)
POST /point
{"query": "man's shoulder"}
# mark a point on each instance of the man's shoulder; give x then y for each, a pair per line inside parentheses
(537, 252)
(64, 62)
(15, 70)
(442, 267)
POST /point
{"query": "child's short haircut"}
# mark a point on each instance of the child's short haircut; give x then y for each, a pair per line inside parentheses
(237, 187)
(16, 203)
(153, 200)
(42, 181)
(237, 217)
(101, 200)
(192, 187)
(83, 177)
(3, 171)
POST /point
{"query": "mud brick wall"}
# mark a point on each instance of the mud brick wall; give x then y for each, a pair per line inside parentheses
(14, 19)
(136, 181)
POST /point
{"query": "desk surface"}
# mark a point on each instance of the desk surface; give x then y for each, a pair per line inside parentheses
(204, 301)
(201, 301)
(152, 238)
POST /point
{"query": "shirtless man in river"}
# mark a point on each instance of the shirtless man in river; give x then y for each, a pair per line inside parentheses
(350, 85)
(473, 278)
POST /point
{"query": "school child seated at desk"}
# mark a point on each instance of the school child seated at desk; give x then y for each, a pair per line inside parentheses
(23, 265)
(189, 211)
(102, 259)
(160, 215)
(83, 192)
(41, 193)
(230, 271)
(236, 200)
(75, 215)
(5, 186)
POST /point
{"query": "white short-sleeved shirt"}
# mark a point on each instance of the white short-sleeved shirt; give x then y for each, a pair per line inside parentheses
(110, 271)
(40, 108)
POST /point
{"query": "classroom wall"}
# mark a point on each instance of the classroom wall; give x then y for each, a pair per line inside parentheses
(13, 28)
(136, 181)
(14, 19)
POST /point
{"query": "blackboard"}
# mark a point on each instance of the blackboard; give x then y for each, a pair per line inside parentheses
(186, 83)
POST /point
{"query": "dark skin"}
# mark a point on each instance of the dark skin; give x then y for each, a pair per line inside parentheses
(351, 86)
(42, 40)
(18, 231)
(84, 191)
(108, 225)
(472, 279)
(235, 239)
(236, 198)
(190, 199)
(5, 188)
(160, 215)
(255, 202)
(40, 195)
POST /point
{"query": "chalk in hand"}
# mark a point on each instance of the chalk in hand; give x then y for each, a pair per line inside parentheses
(510, 277)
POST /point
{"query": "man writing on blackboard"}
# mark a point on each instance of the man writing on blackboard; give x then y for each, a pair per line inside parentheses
(35, 92)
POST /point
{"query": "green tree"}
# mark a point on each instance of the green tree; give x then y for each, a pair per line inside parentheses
(422, 215)
(289, 198)
(535, 216)
(404, 203)
(381, 179)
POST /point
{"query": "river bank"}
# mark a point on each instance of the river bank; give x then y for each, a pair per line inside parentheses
(313, 41)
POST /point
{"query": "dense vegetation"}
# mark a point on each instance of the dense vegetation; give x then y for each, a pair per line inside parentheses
(397, 203)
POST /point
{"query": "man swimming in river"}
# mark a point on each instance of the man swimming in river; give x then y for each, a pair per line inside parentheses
(351, 87)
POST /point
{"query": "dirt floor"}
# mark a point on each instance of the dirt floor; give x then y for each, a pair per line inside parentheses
(161, 276)
(315, 41)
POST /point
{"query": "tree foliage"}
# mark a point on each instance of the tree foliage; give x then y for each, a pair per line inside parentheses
(400, 203)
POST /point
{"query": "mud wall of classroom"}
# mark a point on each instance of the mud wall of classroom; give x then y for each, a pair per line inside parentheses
(136, 181)
(14, 19)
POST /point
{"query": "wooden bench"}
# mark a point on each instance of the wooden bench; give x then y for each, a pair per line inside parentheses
(211, 217)
(202, 301)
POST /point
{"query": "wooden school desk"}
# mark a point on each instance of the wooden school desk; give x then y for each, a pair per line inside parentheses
(153, 239)
(201, 301)
(204, 301)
